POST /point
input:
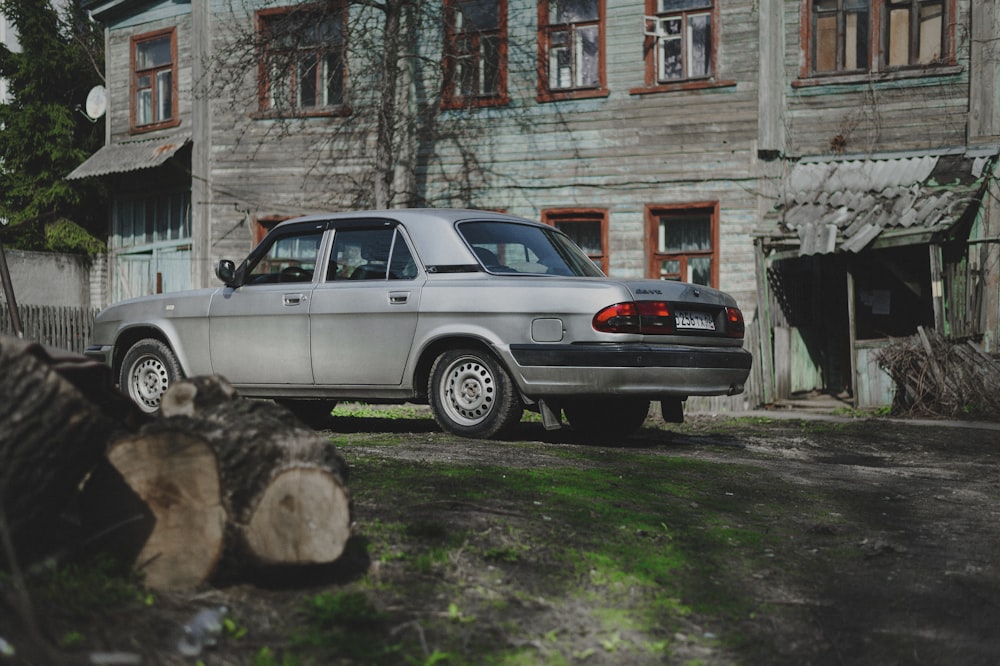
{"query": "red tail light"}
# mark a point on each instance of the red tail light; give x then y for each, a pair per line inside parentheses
(617, 318)
(735, 328)
(647, 317)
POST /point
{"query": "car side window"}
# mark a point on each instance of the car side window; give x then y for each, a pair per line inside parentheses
(370, 254)
(288, 259)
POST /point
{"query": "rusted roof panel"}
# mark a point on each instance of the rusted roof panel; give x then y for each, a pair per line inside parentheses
(129, 156)
(846, 204)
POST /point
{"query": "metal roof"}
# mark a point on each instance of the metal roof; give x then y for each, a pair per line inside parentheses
(844, 205)
(129, 156)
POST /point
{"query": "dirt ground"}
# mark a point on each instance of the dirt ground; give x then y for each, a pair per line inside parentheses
(903, 569)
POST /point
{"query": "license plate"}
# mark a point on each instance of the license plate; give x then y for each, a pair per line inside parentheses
(699, 320)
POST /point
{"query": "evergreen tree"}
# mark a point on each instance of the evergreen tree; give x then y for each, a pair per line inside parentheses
(43, 133)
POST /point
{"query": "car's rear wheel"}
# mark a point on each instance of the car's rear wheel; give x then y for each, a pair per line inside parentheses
(606, 418)
(471, 395)
(148, 368)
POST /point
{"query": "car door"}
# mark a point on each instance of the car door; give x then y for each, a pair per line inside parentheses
(364, 313)
(259, 332)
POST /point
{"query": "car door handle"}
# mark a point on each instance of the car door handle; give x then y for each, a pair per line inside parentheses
(398, 297)
(294, 299)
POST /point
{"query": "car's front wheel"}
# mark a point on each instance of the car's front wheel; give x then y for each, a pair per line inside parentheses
(471, 395)
(148, 368)
(606, 418)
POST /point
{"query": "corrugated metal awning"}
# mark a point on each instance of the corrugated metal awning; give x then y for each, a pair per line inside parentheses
(844, 205)
(129, 156)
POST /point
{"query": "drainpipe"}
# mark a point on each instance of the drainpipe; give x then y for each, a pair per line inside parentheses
(8, 291)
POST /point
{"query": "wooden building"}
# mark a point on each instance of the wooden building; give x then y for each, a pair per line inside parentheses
(675, 139)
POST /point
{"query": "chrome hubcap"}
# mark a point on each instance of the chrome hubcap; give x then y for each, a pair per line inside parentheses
(468, 392)
(149, 381)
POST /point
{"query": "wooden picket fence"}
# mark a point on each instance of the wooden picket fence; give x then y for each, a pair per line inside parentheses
(63, 327)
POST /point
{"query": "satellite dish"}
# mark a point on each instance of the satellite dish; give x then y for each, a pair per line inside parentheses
(97, 102)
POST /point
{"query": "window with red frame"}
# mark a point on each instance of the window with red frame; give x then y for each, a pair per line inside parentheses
(684, 243)
(302, 67)
(571, 48)
(587, 228)
(475, 64)
(154, 80)
(681, 40)
(847, 36)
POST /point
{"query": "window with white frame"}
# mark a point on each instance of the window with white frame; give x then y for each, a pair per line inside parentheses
(302, 66)
(682, 39)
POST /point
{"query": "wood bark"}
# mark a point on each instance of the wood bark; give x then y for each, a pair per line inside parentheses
(51, 437)
(232, 483)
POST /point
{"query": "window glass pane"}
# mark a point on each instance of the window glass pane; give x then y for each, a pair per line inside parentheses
(560, 62)
(164, 95)
(153, 53)
(670, 59)
(664, 6)
(931, 25)
(587, 56)
(307, 80)
(489, 65)
(699, 45)
(477, 15)
(289, 259)
(670, 269)
(402, 266)
(585, 234)
(144, 105)
(826, 44)
(899, 37)
(572, 11)
(334, 80)
(689, 233)
(699, 270)
(851, 42)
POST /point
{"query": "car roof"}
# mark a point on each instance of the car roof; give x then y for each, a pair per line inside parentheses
(431, 229)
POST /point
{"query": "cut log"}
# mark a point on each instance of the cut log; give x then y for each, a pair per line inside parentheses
(173, 470)
(51, 437)
(234, 485)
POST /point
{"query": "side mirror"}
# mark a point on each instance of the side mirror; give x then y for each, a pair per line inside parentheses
(226, 271)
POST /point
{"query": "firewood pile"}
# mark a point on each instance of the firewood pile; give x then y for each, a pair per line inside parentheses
(214, 487)
(936, 377)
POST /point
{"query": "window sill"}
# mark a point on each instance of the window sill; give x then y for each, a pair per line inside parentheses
(467, 103)
(548, 96)
(878, 77)
(146, 129)
(340, 111)
(681, 86)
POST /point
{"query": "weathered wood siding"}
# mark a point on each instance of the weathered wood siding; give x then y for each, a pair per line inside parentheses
(118, 72)
(619, 153)
(885, 113)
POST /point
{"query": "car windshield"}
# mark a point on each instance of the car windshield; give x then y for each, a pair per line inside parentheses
(510, 247)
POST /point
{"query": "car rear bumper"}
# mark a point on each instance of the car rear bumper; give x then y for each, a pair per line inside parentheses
(638, 370)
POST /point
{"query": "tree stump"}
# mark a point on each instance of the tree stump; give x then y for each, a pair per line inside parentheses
(233, 483)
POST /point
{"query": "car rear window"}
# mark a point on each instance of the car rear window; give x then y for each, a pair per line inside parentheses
(510, 247)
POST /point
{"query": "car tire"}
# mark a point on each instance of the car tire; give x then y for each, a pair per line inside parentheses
(148, 368)
(471, 394)
(606, 418)
(314, 413)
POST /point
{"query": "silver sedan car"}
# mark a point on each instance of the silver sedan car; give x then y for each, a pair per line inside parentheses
(480, 315)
